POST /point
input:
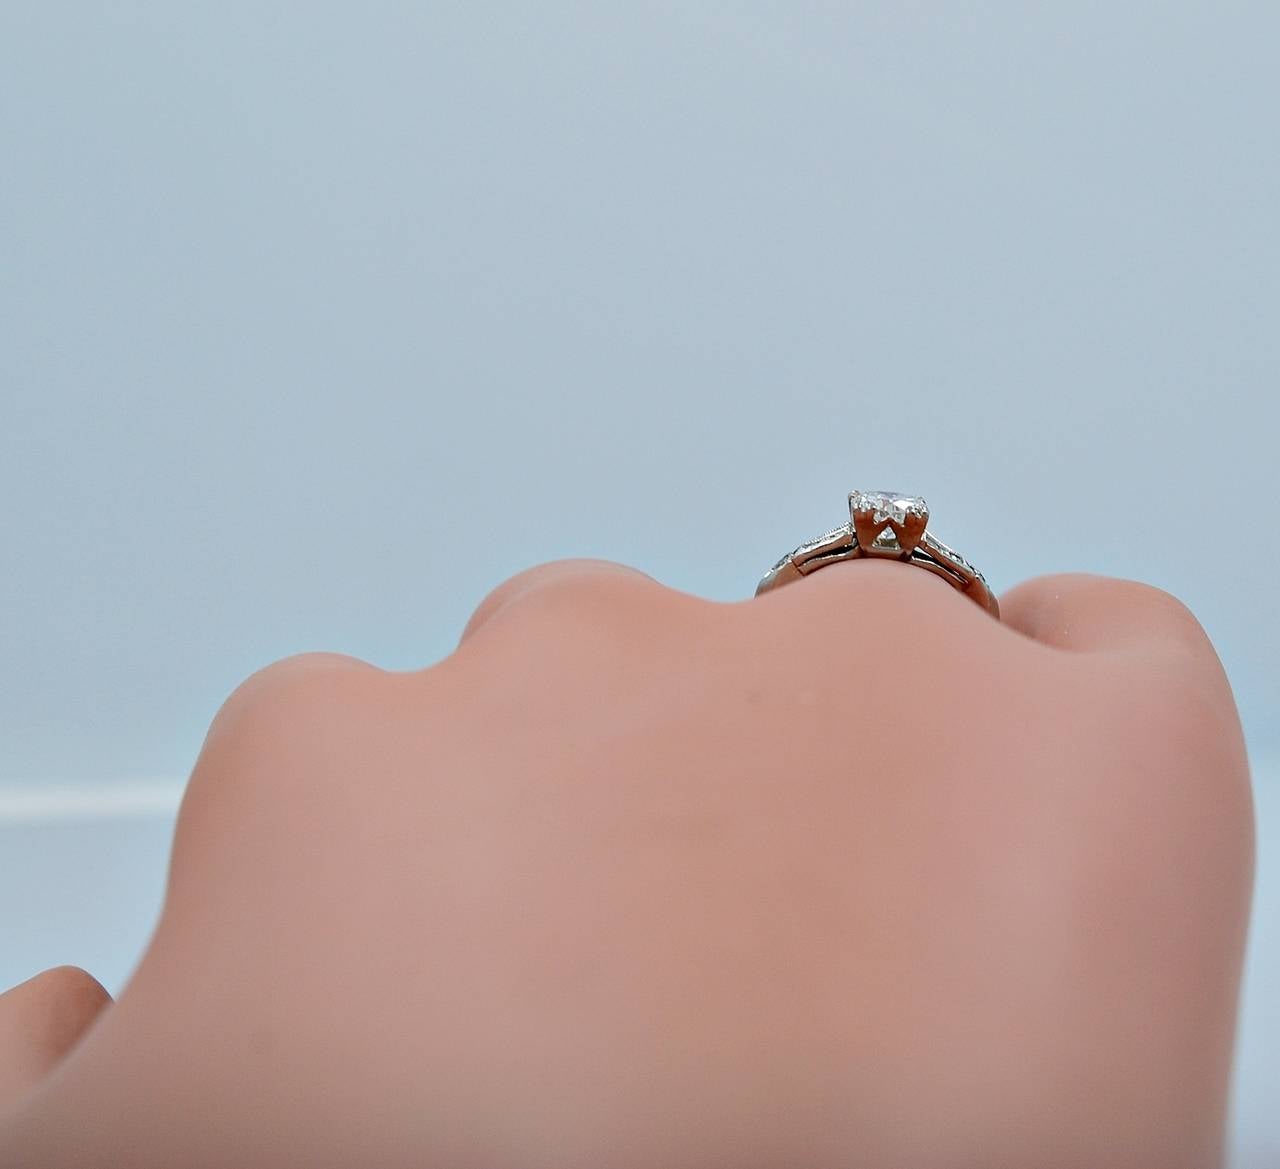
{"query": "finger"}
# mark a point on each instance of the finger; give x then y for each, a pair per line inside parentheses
(538, 576)
(1099, 614)
(298, 673)
(40, 1021)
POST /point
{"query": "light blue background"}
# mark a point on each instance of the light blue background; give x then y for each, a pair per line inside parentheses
(318, 320)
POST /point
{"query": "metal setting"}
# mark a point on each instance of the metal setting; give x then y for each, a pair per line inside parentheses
(885, 524)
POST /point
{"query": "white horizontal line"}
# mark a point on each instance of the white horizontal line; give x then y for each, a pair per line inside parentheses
(32, 804)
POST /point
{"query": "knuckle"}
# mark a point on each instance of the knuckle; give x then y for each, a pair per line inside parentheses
(511, 596)
(281, 690)
(66, 997)
(1161, 607)
(573, 592)
(1180, 662)
(69, 983)
(299, 725)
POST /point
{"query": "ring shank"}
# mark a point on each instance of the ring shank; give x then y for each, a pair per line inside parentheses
(841, 544)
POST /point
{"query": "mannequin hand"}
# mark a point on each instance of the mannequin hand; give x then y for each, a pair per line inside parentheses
(845, 874)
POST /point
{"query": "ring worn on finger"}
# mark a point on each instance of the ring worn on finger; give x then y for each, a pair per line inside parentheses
(884, 525)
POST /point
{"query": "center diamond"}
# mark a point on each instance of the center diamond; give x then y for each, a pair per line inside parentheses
(887, 522)
(888, 505)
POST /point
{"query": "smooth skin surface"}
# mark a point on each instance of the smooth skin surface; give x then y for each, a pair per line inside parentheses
(848, 874)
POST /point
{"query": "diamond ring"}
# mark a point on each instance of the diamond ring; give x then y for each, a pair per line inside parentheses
(889, 525)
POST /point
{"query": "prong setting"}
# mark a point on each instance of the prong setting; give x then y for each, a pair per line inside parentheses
(888, 523)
